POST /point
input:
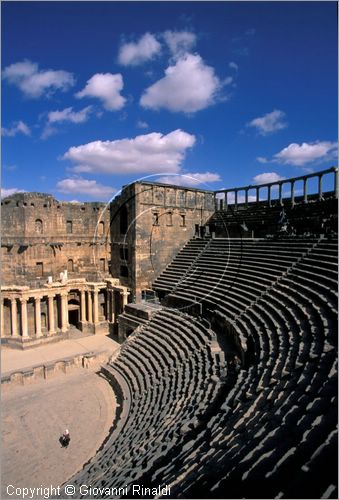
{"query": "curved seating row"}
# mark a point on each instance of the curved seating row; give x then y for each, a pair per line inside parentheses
(168, 366)
(266, 429)
(269, 434)
(262, 220)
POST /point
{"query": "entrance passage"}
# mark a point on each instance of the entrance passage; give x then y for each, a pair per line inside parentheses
(73, 316)
(73, 312)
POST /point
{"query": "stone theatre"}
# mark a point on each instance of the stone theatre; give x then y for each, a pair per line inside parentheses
(226, 308)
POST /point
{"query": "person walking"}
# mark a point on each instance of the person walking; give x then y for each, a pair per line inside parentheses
(65, 439)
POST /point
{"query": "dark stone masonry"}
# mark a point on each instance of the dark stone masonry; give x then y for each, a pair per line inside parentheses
(226, 307)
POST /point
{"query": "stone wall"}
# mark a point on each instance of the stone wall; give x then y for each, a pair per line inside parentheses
(122, 225)
(43, 237)
(161, 219)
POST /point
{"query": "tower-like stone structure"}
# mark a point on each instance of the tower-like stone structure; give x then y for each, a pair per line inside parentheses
(150, 223)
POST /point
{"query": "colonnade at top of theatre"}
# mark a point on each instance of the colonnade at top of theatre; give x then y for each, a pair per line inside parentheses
(223, 203)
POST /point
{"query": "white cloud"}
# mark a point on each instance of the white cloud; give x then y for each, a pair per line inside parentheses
(34, 82)
(19, 127)
(188, 86)
(267, 177)
(134, 53)
(141, 124)
(189, 179)
(87, 187)
(262, 159)
(68, 115)
(179, 42)
(106, 87)
(227, 81)
(269, 123)
(8, 192)
(48, 131)
(299, 155)
(151, 153)
(234, 66)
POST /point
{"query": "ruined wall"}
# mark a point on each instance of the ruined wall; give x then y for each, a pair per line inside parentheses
(161, 218)
(139, 235)
(122, 224)
(42, 237)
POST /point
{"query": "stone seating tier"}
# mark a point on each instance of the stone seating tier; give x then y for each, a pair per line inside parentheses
(291, 330)
(265, 429)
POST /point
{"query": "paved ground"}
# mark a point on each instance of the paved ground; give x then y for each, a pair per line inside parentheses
(34, 417)
(14, 359)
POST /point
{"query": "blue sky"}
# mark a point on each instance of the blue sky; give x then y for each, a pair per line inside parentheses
(98, 94)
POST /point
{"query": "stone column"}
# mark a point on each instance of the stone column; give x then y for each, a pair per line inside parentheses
(2, 317)
(64, 312)
(292, 193)
(320, 187)
(37, 311)
(83, 307)
(124, 298)
(336, 183)
(257, 194)
(221, 205)
(236, 199)
(111, 307)
(108, 304)
(226, 201)
(14, 318)
(95, 307)
(280, 193)
(269, 195)
(24, 324)
(246, 198)
(305, 189)
(51, 322)
(89, 306)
